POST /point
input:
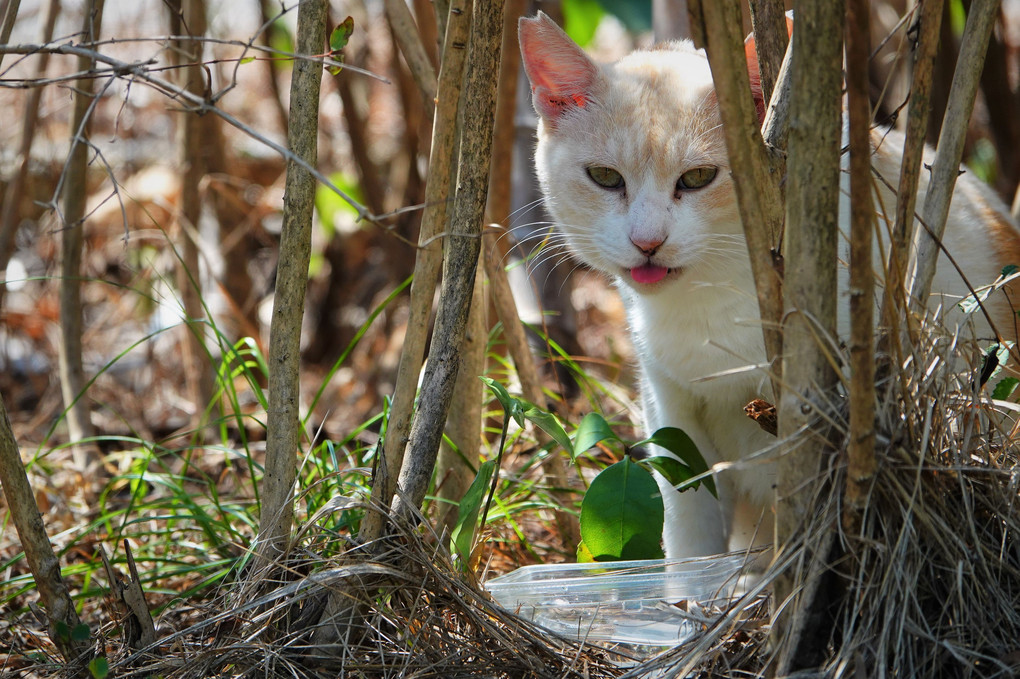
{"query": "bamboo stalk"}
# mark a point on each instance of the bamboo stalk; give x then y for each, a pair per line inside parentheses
(283, 427)
(949, 151)
(426, 267)
(461, 257)
(861, 439)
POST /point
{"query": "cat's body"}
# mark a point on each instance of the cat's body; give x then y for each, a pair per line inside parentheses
(633, 165)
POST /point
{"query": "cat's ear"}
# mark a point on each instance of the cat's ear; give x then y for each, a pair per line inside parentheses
(561, 74)
(751, 53)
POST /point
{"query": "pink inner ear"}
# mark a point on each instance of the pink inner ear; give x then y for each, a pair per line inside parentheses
(561, 73)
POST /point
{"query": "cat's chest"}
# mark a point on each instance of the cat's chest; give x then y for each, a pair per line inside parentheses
(690, 334)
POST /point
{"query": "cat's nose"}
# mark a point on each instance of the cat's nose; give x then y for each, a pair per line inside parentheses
(647, 247)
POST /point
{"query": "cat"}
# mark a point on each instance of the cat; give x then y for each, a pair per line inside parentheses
(633, 167)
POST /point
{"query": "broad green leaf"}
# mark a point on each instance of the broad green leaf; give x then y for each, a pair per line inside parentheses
(581, 19)
(584, 554)
(81, 633)
(1009, 270)
(341, 34)
(463, 533)
(592, 430)
(1005, 388)
(622, 514)
(99, 668)
(675, 471)
(680, 444)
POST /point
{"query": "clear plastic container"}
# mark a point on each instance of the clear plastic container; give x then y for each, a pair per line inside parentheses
(633, 602)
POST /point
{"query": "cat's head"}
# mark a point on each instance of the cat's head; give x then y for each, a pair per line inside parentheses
(632, 159)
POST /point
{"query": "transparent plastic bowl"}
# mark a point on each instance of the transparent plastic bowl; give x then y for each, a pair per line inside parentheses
(633, 602)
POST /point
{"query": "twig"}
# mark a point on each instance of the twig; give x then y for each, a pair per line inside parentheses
(809, 289)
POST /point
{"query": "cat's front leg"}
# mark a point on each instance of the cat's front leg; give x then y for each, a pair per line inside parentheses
(695, 522)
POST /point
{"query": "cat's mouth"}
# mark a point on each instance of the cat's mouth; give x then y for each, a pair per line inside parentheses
(649, 274)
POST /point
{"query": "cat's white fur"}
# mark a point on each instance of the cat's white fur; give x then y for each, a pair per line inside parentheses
(652, 116)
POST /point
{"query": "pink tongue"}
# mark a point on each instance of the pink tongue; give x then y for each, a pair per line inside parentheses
(648, 273)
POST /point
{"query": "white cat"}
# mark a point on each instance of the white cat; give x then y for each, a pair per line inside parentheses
(633, 165)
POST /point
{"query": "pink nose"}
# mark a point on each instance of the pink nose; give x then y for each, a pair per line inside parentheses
(647, 247)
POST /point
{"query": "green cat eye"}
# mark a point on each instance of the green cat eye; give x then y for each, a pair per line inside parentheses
(606, 176)
(697, 178)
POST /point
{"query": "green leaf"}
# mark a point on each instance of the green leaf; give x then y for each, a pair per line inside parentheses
(341, 34)
(247, 60)
(1009, 270)
(581, 18)
(675, 471)
(520, 410)
(680, 444)
(463, 533)
(622, 514)
(62, 629)
(550, 425)
(584, 554)
(592, 430)
(1004, 389)
(99, 668)
(81, 633)
(511, 406)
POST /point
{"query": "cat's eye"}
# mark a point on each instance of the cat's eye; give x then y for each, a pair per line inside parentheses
(697, 178)
(606, 177)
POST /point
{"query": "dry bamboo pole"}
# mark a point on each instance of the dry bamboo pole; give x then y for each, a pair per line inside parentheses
(463, 243)
(949, 151)
(861, 439)
(809, 286)
(426, 268)
(43, 563)
(72, 372)
(283, 426)
(894, 302)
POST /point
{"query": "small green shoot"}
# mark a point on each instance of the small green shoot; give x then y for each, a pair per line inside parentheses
(463, 535)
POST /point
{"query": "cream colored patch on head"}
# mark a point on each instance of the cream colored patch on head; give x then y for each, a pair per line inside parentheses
(661, 117)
